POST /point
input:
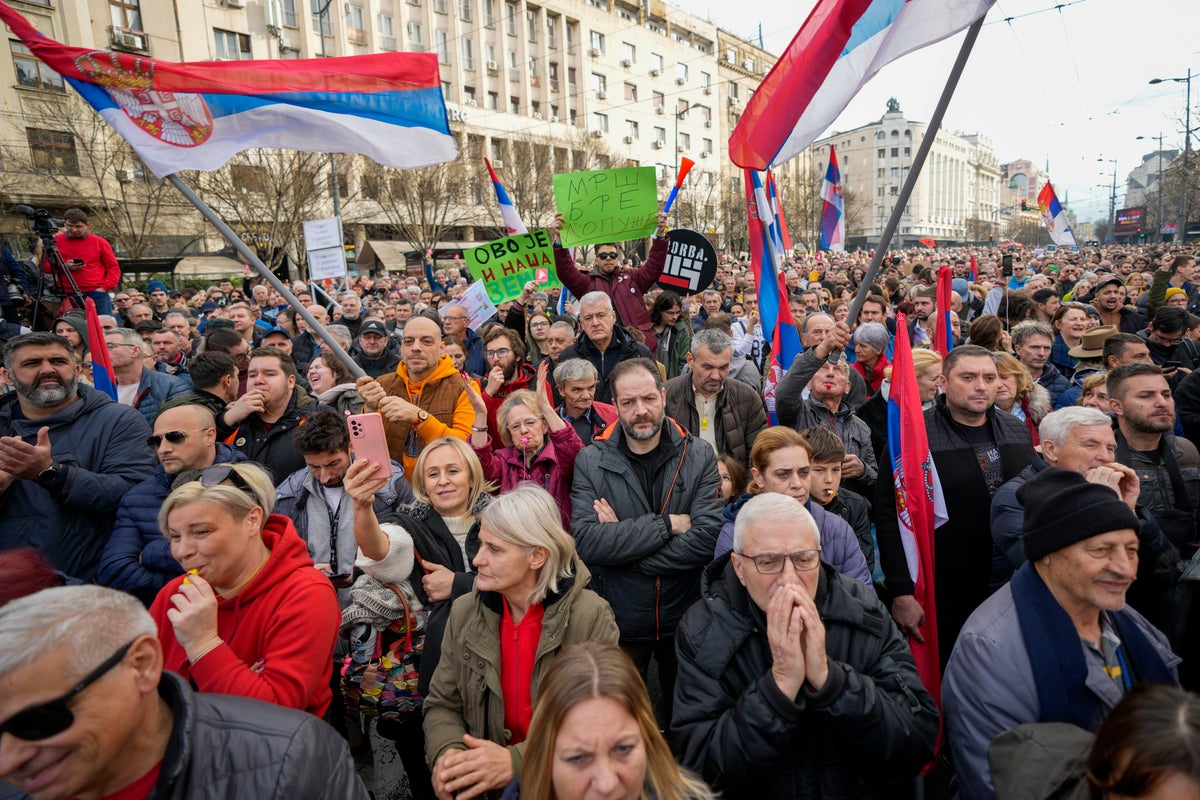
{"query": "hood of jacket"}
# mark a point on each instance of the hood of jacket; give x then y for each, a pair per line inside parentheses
(730, 511)
(288, 554)
(621, 340)
(226, 454)
(443, 369)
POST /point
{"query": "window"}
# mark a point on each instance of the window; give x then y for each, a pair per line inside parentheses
(706, 146)
(681, 107)
(289, 53)
(231, 46)
(660, 134)
(321, 22)
(571, 82)
(685, 141)
(597, 41)
(531, 23)
(489, 52)
(631, 128)
(355, 18)
(628, 52)
(533, 67)
(414, 32)
(464, 10)
(384, 23)
(880, 153)
(733, 90)
(514, 105)
(895, 152)
(53, 151)
(600, 122)
(469, 95)
(510, 19)
(468, 54)
(573, 116)
(552, 32)
(893, 190)
(441, 42)
(656, 62)
(439, 6)
(32, 73)
(681, 71)
(126, 15)
(599, 82)
(631, 92)
(908, 151)
(705, 80)
(572, 36)
(657, 100)
(489, 13)
(881, 172)
(289, 14)
(513, 63)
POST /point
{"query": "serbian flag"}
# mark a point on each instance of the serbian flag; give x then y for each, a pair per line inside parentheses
(1055, 217)
(102, 371)
(777, 208)
(766, 261)
(833, 215)
(840, 47)
(199, 114)
(920, 506)
(512, 220)
(943, 336)
(974, 269)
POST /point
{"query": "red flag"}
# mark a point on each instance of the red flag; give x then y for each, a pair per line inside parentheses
(102, 371)
(943, 339)
(974, 269)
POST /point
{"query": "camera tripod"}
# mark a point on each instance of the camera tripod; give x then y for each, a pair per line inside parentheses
(54, 276)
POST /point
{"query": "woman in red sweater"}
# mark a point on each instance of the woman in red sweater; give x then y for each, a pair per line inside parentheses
(251, 617)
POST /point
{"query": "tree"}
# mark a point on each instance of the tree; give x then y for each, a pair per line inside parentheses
(422, 205)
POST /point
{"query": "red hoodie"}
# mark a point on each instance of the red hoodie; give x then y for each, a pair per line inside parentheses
(278, 632)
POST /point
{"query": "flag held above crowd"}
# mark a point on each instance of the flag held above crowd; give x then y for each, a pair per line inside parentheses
(1055, 217)
(197, 115)
(840, 47)
(833, 213)
(508, 212)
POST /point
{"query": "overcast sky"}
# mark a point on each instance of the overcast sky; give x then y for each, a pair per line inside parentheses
(1066, 86)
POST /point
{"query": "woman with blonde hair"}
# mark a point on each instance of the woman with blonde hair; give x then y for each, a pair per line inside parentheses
(1019, 395)
(251, 617)
(529, 602)
(594, 734)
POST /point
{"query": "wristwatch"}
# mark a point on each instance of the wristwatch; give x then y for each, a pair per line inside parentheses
(49, 475)
(422, 415)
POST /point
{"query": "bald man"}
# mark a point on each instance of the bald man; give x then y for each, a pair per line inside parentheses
(137, 558)
(305, 344)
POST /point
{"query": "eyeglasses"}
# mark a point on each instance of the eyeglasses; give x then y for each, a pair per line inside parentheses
(242, 356)
(501, 353)
(528, 424)
(174, 437)
(772, 563)
(219, 473)
(449, 318)
(539, 325)
(608, 254)
(115, 345)
(54, 717)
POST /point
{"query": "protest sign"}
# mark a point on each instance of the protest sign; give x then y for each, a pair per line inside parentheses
(691, 263)
(607, 205)
(507, 264)
(477, 303)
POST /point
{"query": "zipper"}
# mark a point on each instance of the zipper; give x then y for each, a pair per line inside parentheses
(657, 603)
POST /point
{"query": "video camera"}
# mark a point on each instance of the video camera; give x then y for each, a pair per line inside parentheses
(40, 221)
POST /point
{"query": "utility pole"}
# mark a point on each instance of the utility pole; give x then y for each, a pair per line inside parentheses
(1181, 231)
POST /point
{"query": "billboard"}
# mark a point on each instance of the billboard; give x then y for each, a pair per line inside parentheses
(1128, 220)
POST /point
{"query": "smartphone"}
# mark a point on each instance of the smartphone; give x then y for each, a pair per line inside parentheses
(367, 441)
(1006, 262)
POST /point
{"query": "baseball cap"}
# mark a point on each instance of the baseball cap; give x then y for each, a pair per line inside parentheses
(276, 330)
(373, 326)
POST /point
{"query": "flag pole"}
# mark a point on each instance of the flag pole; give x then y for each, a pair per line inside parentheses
(262, 270)
(935, 123)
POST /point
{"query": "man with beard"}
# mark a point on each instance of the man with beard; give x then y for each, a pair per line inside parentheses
(1109, 300)
(350, 313)
(645, 514)
(920, 327)
(323, 512)
(507, 372)
(67, 455)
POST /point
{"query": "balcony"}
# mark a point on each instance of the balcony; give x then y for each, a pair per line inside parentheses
(356, 36)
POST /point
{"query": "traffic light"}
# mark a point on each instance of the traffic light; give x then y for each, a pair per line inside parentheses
(991, 238)
(1141, 235)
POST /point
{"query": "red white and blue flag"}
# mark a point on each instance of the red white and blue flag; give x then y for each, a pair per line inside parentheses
(943, 334)
(766, 261)
(197, 115)
(840, 47)
(777, 207)
(833, 214)
(1055, 217)
(920, 506)
(512, 220)
(102, 371)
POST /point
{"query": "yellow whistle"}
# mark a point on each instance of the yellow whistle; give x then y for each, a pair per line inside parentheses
(191, 572)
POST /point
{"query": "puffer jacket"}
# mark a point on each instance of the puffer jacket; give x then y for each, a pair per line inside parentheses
(553, 468)
(622, 347)
(739, 414)
(101, 446)
(626, 288)
(865, 733)
(466, 694)
(224, 747)
(648, 575)
(137, 558)
(156, 387)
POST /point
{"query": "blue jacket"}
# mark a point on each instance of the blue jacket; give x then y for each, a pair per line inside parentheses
(473, 347)
(137, 558)
(101, 447)
(154, 388)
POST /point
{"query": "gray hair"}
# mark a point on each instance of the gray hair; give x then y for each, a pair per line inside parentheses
(36, 339)
(574, 369)
(717, 341)
(771, 508)
(594, 298)
(710, 293)
(96, 621)
(130, 336)
(1024, 331)
(528, 517)
(568, 327)
(874, 334)
(342, 334)
(1056, 425)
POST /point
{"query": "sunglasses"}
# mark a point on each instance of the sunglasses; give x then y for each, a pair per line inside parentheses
(606, 255)
(219, 473)
(174, 437)
(54, 717)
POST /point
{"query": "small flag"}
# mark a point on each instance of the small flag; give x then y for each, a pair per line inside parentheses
(198, 115)
(1055, 217)
(512, 220)
(833, 215)
(943, 334)
(685, 166)
(974, 269)
(102, 371)
(777, 207)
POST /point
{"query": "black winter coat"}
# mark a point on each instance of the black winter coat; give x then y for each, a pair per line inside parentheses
(622, 346)
(869, 730)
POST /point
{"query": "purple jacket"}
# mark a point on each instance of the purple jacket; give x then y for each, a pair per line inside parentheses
(626, 288)
(553, 468)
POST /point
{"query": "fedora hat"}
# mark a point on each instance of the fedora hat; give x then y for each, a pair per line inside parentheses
(1092, 343)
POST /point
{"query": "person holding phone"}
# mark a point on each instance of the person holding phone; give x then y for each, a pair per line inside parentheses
(89, 257)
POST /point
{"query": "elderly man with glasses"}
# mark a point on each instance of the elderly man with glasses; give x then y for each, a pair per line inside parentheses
(793, 676)
(455, 322)
(626, 289)
(87, 710)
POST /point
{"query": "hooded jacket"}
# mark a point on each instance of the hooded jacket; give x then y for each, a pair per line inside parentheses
(277, 634)
(553, 468)
(155, 387)
(137, 558)
(441, 393)
(466, 694)
(865, 733)
(648, 575)
(101, 447)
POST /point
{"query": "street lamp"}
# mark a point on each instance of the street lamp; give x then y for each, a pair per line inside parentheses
(1112, 198)
(1158, 180)
(1181, 232)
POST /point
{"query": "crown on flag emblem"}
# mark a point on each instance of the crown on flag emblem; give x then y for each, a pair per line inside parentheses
(177, 118)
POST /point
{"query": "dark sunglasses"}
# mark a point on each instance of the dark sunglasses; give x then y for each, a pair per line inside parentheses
(54, 717)
(219, 473)
(607, 255)
(174, 437)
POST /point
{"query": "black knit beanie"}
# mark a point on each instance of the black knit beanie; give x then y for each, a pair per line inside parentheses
(1062, 508)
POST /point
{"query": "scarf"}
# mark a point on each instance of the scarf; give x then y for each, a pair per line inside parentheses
(1057, 659)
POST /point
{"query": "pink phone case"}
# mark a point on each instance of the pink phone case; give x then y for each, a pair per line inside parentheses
(367, 440)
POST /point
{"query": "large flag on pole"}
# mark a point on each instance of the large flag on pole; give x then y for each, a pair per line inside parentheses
(766, 261)
(943, 334)
(1055, 217)
(833, 214)
(920, 506)
(840, 47)
(102, 371)
(777, 208)
(512, 220)
(197, 115)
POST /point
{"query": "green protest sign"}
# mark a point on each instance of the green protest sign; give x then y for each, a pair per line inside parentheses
(607, 205)
(507, 264)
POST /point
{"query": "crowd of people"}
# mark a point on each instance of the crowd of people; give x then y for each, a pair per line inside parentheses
(588, 564)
